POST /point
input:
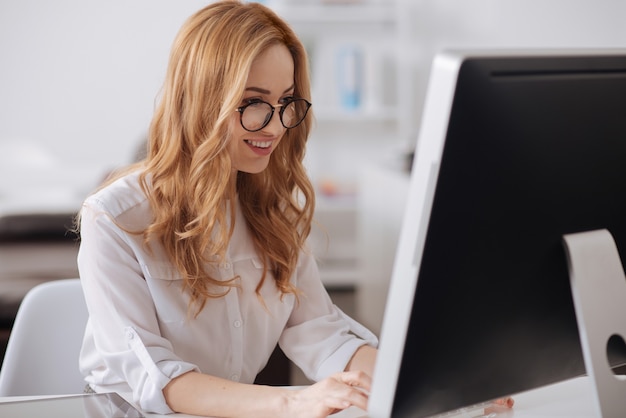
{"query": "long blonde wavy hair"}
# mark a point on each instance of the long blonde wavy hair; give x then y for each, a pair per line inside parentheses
(187, 172)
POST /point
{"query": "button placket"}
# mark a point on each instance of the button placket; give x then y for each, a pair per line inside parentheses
(226, 269)
(236, 334)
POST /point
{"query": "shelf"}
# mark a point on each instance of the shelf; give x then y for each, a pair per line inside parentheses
(335, 204)
(337, 114)
(339, 278)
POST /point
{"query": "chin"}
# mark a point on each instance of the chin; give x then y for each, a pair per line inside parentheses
(254, 168)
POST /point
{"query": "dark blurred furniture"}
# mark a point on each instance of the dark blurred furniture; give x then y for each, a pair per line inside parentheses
(33, 249)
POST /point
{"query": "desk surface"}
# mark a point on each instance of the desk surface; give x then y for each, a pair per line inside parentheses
(569, 399)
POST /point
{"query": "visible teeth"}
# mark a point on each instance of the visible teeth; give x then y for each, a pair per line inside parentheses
(260, 144)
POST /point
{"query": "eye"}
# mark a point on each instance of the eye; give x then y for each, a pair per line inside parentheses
(286, 100)
(253, 102)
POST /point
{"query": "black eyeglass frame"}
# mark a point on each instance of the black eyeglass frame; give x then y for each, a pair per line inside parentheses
(241, 109)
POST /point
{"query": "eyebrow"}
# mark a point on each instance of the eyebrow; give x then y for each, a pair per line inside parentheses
(263, 91)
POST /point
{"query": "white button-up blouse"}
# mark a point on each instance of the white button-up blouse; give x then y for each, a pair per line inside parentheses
(141, 334)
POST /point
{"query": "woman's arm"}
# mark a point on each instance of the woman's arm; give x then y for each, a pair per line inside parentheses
(364, 359)
(200, 394)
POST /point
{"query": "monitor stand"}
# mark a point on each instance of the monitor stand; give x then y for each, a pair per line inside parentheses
(599, 292)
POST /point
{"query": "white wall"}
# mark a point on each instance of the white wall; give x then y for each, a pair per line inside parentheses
(78, 78)
(437, 24)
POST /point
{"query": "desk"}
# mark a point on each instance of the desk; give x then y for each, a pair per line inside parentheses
(349, 413)
(569, 399)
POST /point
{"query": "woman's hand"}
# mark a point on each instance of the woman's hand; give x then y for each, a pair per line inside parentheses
(330, 395)
(500, 405)
(507, 402)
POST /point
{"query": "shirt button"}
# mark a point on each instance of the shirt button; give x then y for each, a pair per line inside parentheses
(237, 323)
(234, 377)
(226, 266)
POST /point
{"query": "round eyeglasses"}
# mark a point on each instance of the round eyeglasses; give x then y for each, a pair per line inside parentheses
(257, 114)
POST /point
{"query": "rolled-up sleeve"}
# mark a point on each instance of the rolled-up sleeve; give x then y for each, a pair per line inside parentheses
(319, 337)
(123, 344)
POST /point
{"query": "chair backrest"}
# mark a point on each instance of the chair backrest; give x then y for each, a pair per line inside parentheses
(45, 341)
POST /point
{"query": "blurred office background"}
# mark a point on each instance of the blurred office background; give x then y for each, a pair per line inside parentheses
(79, 79)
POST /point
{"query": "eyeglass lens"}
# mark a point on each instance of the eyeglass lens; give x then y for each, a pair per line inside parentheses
(258, 114)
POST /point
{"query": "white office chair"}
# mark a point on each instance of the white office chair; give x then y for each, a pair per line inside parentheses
(43, 348)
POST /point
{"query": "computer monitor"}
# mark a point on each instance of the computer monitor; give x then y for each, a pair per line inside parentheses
(515, 150)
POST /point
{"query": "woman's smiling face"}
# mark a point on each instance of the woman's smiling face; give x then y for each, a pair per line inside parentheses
(271, 79)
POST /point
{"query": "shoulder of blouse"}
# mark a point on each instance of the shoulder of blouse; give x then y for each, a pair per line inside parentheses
(121, 200)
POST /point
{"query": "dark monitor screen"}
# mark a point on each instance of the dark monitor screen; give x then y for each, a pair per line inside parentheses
(516, 150)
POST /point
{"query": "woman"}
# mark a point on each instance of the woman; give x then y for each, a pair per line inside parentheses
(193, 261)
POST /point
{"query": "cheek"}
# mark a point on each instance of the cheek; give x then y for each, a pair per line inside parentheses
(234, 149)
(234, 127)
(234, 136)
(234, 124)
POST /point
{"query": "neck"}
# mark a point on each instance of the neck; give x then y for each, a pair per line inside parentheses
(232, 182)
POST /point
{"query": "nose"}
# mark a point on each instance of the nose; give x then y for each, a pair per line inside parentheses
(274, 126)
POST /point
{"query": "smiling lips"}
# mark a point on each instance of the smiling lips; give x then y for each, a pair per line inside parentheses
(260, 147)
